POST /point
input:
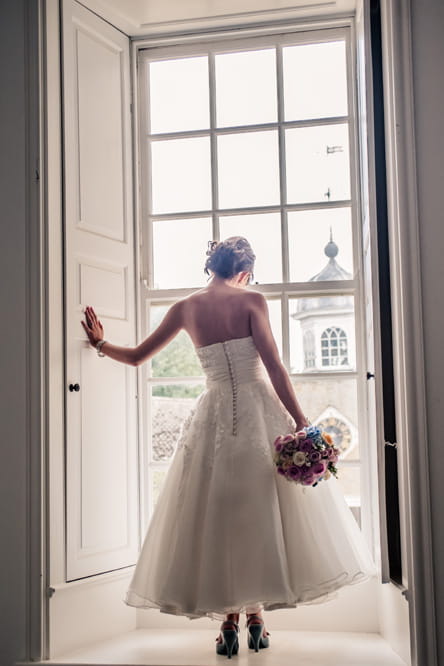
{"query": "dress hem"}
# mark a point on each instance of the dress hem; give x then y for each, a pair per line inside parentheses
(323, 593)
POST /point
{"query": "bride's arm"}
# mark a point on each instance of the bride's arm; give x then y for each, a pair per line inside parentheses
(170, 326)
(267, 348)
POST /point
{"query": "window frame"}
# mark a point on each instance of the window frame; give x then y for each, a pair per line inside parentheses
(173, 47)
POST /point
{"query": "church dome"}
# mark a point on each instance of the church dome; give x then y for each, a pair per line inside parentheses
(331, 271)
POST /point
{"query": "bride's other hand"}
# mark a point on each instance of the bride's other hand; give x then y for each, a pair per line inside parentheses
(302, 423)
(92, 326)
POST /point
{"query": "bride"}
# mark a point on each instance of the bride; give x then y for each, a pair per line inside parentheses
(229, 535)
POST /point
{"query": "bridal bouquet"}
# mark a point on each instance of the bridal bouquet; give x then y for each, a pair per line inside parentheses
(306, 457)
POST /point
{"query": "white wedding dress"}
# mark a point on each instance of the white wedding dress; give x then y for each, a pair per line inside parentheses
(228, 533)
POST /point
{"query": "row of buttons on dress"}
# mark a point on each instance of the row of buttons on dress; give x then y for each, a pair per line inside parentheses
(233, 384)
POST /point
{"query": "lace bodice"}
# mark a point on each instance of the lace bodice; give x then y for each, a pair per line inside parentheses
(235, 361)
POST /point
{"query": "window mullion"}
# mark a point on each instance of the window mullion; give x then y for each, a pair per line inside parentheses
(213, 146)
(283, 201)
(245, 129)
(282, 167)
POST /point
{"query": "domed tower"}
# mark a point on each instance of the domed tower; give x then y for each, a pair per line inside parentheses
(327, 322)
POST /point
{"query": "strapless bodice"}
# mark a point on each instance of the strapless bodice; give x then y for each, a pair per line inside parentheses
(234, 360)
(231, 363)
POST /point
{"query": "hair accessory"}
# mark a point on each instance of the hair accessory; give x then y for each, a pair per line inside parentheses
(212, 244)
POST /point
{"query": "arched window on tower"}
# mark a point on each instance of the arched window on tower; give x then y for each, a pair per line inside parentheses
(334, 347)
(309, 350)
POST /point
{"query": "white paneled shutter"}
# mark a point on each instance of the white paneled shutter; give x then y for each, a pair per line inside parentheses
(375, 408)
(101, 400)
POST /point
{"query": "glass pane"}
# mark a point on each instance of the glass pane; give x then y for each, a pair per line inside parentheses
(264, 233)
(349, 479)
(170, 406)
(275, 313)
(332, 404)
(173, 265)
(181, 179)
(246, 88)
(178, 95)
(322, 334)
(248, 168)
(157, 479)
(315, 81)
(318, 166)
(312, 255)
(178, 358)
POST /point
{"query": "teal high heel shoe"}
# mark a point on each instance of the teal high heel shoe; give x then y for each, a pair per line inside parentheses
(230, 639)
(256, 638)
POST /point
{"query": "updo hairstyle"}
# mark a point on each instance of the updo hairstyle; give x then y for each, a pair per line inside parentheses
(229, 257)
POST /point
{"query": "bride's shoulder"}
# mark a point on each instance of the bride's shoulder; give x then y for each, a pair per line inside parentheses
(256, 298)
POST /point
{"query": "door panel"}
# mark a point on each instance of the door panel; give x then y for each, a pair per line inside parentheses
(101, 446)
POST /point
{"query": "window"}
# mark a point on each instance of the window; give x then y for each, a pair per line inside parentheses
(334, 348)
(254, 137)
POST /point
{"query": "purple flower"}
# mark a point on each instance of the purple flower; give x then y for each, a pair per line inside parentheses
(315, 456)
(332, 456)
(308, 479)
(318, 468)
(294, 472)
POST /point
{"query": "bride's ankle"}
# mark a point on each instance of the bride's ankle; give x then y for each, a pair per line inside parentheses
(255, 617)
(232, 617)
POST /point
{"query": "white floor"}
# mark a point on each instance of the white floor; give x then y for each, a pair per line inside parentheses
(166, 647)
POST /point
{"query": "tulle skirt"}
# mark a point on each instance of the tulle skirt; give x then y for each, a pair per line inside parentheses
(230, 535)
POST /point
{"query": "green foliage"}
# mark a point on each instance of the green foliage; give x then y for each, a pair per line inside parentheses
(177, 391)
(178, 359)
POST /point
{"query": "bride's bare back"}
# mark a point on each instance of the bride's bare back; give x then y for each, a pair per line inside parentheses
(218, 313)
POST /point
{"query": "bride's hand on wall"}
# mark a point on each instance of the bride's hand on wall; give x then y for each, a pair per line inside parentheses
(92, 325)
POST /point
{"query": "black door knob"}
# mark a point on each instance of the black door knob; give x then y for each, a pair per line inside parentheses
(74, 387)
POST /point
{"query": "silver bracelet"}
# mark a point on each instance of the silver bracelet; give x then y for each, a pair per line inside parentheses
(99, 346)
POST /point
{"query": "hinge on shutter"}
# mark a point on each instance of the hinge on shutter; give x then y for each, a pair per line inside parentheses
(50, 591)
(392, 444)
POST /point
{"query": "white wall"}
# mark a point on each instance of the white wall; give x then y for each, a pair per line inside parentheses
(15, 316)
(428, 63)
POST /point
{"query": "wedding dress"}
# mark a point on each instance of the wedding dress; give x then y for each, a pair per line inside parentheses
(228, 533)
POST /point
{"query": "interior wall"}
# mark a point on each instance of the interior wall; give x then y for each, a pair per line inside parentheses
(428, 60)
(15, 317)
